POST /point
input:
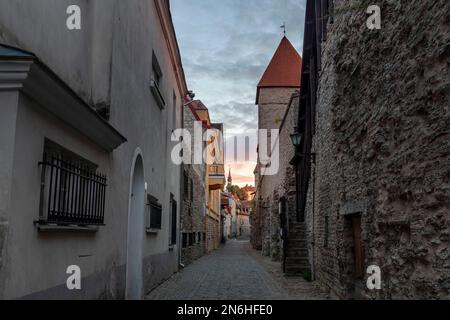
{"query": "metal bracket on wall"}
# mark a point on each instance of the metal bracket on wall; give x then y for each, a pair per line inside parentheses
(298, 156)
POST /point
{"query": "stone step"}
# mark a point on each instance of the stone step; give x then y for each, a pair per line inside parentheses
(293, 262)
(297, 252)
(297, 236)
(294, 227)
(297, 230)
(297, 261)
(298, 224)
(297, 243)
(290, 256)
(294, 268)
(297, 272)
(304, 262)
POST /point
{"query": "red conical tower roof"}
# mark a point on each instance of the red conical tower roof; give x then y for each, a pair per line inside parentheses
(285, 68)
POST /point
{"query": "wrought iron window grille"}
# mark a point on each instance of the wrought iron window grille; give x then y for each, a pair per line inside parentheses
(72, 192)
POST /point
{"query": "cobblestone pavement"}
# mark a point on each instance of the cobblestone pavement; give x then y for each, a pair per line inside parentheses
(234, 272)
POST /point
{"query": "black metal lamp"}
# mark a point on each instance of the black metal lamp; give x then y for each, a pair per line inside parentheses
(296, 138)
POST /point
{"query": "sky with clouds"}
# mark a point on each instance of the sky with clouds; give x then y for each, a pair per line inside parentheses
(225, 47)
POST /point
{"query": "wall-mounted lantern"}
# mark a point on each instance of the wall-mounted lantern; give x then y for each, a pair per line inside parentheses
(296, 138)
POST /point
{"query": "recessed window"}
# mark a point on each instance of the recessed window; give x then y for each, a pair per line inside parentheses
(186, 185)
(156, 82)
(184, 240)
(174, 111)
(173, 220)
(191, 239)
(326, 231)
(154, 213)
(157, 73)
(358, 246)
(72, 190)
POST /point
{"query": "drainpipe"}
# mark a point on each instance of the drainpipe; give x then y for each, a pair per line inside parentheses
(220, 217)
(180, 234)
(313, 242)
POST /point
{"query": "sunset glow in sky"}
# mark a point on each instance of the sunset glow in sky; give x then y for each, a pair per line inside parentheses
(226, 46)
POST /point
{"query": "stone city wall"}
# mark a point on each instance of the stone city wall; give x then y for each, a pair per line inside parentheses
(383, 151)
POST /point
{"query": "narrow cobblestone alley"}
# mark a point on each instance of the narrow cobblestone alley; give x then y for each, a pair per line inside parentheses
(234, 272)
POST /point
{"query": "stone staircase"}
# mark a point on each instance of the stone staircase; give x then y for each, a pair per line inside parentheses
(297, 262)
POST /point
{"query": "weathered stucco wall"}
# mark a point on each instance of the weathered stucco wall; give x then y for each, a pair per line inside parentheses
(35, 262)
(7, 141)
(82, 58)
(382, 139)
(34, 265)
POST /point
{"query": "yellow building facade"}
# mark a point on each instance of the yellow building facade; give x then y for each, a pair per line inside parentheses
(216, 184)
(215, 178)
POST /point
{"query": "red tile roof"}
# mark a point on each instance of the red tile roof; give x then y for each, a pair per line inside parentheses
(197, 105)
(285, 68)
(249, 189)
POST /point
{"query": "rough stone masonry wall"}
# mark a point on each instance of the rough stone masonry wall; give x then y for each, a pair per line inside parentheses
(277, 186)
(212, 234)
(383, 126)
(287, 183)
(286, 187)
(272, 106)
(256, 225)
(193, 215)
(192, 219)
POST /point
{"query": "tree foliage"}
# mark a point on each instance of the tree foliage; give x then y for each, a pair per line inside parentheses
(237, 191)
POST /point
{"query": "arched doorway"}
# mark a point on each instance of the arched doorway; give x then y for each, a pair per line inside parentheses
(135, 231)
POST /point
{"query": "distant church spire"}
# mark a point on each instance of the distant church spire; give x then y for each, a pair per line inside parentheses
(230, 180)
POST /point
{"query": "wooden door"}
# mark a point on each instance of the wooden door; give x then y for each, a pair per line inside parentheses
(359, 247)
